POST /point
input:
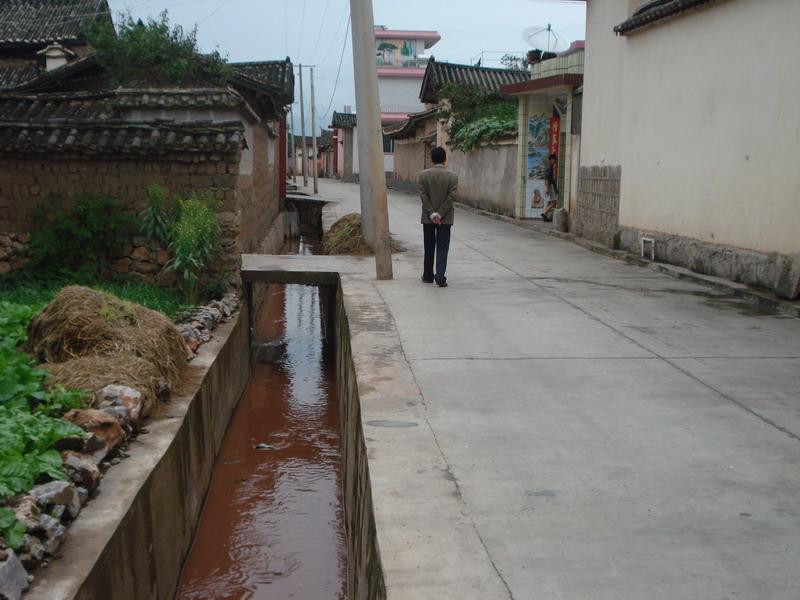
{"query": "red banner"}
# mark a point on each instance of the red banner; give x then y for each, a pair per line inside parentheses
(555, 135)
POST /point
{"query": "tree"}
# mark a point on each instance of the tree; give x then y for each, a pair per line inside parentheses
(515, 63)
(154, 53)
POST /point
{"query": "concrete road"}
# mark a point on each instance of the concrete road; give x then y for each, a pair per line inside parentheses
(612, 433)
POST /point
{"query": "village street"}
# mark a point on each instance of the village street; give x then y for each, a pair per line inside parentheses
(610, 432)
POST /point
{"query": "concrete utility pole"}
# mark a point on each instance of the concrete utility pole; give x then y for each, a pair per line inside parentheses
(374, 207)
(303, 131)
(314, 134)
(292, 149)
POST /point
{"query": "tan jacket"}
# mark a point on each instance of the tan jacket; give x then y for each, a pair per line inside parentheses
(437, 188)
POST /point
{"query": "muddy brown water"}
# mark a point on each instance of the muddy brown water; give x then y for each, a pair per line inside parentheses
(272, 526)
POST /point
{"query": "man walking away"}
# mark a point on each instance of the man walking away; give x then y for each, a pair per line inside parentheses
(437, 188)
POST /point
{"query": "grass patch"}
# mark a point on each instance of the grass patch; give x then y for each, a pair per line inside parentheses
(38, 293)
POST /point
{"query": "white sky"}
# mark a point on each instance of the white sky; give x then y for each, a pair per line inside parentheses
(273, 29)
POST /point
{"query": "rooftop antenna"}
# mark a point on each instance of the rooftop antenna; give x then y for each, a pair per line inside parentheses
(544, 37)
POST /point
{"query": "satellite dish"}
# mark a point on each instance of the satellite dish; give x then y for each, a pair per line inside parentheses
(543, 37)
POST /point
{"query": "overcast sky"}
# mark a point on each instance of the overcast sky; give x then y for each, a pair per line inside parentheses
(313, 31)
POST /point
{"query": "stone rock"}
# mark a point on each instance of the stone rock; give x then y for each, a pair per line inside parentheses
(83, 471)
(24, 237)
(54, 492)
(144, 267)
(166, 278)
(5, 241)
(98, 423)
(18, 262)
(57, 512)
(5, 267)
(4, 253)
(28, 513)
(190, 338)
(13, 577)
(123, 265)
(83, 495)
(788, 285)
(162, 257)
(140, 241)
(54, 533)
(122, 397)
(140, 253)
(31, 552)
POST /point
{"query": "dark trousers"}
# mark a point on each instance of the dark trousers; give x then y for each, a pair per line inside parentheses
(437, 241)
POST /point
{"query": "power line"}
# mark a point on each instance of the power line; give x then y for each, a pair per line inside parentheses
(213, 12)
(338, 71)
(321, 27)
(338, 27)
(302, 25)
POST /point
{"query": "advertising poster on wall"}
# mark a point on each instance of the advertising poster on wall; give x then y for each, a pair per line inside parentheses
(538, 146)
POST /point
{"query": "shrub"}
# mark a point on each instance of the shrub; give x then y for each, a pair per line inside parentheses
(154, 53)
(77, 239)
(155, 219)
(476, 117)
(194, 243)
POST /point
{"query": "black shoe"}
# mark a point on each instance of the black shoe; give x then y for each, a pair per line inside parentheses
(424, 280)
(442, 284)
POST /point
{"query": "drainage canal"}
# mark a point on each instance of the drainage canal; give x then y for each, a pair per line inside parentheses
(272, 525)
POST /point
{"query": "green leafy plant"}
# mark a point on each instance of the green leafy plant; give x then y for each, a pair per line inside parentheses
(14, 319)
(194, 243)
(476, 117)
(155, 218)
(77, 239)
(26, 448)
(154, 53)
(11, 530)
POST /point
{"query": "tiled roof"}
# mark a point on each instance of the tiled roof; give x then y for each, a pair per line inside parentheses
(14, 75)
(145, 139)
(326, 139)
(276, 74)
(35, 22)
(655, 11)
(488, 79)
(407, 128)
(95, 123)
(343, 120)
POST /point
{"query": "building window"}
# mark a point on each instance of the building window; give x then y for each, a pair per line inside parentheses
(388, 144)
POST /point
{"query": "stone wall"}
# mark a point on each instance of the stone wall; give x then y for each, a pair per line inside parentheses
(597, 206)
(409, 160)
(13, 251)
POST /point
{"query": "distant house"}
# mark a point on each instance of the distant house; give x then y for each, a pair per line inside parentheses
(345, 145)
(66, 131)
(690, 135)
(401, 60)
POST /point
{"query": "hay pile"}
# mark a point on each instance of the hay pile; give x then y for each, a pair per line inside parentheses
(345, 237)
(91, 339)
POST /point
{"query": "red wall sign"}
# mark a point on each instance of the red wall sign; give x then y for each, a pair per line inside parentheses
(555, 135)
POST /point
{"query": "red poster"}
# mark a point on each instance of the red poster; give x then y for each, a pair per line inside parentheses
(555, 134)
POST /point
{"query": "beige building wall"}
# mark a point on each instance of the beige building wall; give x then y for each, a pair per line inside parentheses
(710, 142)
(487, 176)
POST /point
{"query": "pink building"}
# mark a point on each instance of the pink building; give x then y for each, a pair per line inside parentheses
(401, 59)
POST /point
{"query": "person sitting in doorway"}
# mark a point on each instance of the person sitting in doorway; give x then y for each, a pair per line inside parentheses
(550, 188)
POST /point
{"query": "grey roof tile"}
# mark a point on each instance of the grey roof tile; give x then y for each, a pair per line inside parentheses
(34, 22)
(343, 120)
(437, 74)
(656, 10)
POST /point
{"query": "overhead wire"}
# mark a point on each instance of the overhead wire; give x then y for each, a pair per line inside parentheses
(339, 70)
(302, 25)
(321, 27)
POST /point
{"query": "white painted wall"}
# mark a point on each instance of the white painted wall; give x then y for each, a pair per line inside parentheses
(703, 113)
(400, 94)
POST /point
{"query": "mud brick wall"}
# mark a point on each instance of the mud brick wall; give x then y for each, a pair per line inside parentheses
(257, 193)
(247, 203)
(597, 214)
